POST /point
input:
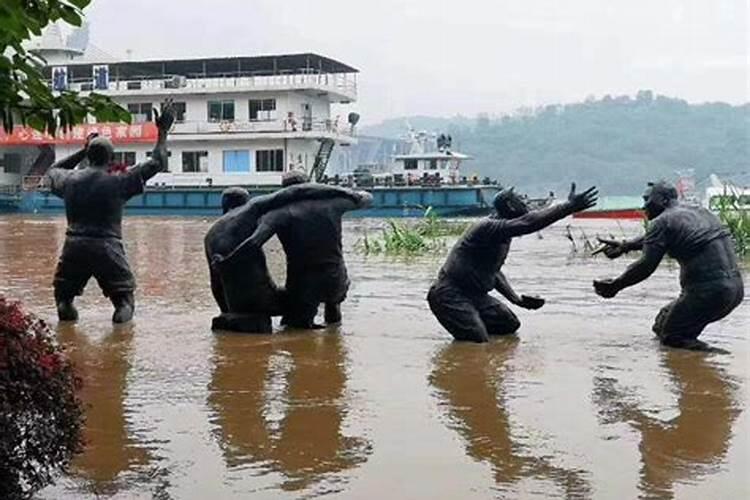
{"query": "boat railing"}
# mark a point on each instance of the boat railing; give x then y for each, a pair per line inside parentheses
(289, 125)
(343, 83)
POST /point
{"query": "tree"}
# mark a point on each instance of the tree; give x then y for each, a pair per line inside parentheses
(25, 97)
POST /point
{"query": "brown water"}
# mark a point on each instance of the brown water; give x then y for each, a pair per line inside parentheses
(584, 403)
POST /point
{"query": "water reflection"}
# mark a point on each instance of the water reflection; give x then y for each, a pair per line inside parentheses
(103, 365)
(280, 402)
(469, 381)
(689, 445)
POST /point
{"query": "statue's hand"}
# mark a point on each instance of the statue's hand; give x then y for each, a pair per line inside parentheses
(582, 201)
(606, 288)
(164, 121)
(364, 199)
(612, 248)
(531, 302)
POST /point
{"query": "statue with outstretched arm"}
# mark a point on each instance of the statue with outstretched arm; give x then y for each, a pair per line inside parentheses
(241, 284)
(460, 299)
(94, 201)
(710, 279)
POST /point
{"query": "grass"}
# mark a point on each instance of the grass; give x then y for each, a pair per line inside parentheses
(427, 235)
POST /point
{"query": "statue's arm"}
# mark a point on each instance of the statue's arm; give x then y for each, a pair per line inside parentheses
(539, 219)
(60, 170)
(502, 285)
(640, 269)
(299, 192)
(267, 227)
(613, 248)
(634, 244)
(69, 162)
(359, 199)
(159, 156)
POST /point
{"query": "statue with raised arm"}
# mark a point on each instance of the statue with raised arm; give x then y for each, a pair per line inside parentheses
(460, 298)
(94, 201)
(709, 275)
(242, 286)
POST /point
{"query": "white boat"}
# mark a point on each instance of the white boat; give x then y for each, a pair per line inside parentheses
(241, 120)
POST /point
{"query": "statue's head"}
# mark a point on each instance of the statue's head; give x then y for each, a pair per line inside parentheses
(293, 177)
(657, 197)
(509, 204)
(100, 152)
(233, 197)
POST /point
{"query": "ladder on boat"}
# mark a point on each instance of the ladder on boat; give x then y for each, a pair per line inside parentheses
(321, 159)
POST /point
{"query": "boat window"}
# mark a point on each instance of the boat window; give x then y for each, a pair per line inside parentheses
(219, 111)
(237, 161)
(269, 160)
(410, 164)
(433, 164)
(195, 161)
(141, 111)
(262, 109)
(124, 158)
(10, 163)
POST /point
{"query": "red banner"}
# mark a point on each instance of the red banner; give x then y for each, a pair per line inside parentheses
(118, 133)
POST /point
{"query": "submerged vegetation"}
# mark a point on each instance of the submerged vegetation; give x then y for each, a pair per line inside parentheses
(410, 238)
(736, 217)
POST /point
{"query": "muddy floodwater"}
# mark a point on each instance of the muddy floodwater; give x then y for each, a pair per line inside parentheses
(583, 403)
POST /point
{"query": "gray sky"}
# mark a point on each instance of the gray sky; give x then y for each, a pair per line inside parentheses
(441, 58)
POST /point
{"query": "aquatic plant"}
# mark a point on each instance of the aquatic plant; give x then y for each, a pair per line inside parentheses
(41, 416)
(736, 217)
(426, 235)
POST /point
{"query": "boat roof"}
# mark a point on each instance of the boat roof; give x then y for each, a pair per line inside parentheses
(216, 66)
(435, 155)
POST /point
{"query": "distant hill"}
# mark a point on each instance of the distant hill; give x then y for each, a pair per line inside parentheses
(618, 143)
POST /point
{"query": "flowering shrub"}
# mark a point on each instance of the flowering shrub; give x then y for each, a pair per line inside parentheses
(41, 416)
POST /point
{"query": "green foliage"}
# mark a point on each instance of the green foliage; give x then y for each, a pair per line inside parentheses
(25, 97)
(427, 235)
(616, 143)
(41, 416)
(736, 218)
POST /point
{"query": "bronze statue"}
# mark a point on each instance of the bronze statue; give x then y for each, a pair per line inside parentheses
(94, 201)
(242, 286)
(709, 276)
(310, 232)
(459, 297)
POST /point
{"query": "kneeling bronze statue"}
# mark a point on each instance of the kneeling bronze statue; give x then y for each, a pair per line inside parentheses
(711, 282)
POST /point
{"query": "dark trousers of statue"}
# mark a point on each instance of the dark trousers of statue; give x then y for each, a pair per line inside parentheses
(104, 259)
(470, 317)
(307, 289)
(246, 294)
(680, 322)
